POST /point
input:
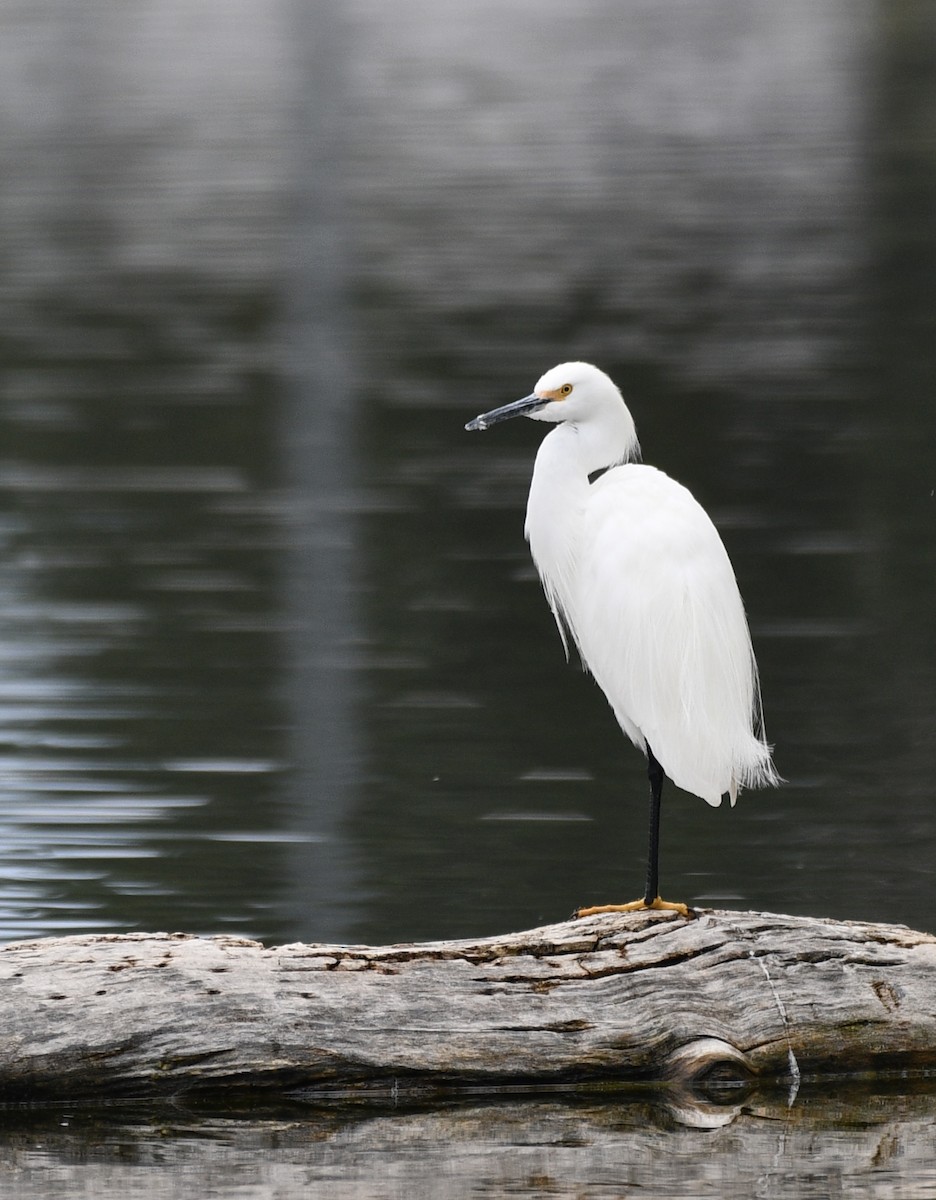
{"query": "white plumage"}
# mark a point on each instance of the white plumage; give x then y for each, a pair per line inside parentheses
(635, 571)
(670, 648)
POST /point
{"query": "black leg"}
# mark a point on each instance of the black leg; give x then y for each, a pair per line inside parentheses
(655, 775)
(652, 895)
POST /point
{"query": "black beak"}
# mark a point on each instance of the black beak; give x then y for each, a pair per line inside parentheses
(519, 408)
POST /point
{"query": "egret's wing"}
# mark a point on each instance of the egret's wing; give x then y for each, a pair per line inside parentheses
(659, 621)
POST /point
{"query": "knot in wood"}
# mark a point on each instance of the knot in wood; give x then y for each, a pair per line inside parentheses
(708, 1060)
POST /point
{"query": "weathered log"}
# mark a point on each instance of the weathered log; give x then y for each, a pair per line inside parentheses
(613, 999)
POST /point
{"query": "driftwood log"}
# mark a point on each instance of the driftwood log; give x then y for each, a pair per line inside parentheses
(601, 1001)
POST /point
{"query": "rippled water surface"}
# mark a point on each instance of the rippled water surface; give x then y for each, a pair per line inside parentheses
(851, 1144)
(273, 659)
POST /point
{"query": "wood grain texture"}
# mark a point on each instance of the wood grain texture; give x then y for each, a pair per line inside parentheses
(622, 997)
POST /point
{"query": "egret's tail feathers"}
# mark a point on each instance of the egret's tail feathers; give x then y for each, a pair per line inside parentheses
(757, 771)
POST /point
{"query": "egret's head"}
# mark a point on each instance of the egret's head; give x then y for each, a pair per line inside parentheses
(583, 400)
(573, 391)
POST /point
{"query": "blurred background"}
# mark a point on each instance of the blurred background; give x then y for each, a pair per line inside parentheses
(273, 658)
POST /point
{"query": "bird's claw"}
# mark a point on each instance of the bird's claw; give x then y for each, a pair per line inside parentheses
(657, 905)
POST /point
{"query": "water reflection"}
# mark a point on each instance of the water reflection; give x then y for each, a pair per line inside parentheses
(832, 1144)
(111, 618)
(272, 655)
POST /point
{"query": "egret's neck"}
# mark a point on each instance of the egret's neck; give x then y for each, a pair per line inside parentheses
(559, 491)
(559, 485)
(571, 452)
(606, 439)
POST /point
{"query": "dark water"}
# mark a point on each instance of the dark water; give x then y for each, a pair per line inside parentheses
(273, 659)
(850, 1145)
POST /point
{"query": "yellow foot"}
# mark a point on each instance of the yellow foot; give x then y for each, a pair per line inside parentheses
(638, 906)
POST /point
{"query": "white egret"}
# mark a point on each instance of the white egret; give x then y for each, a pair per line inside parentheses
(636, 573)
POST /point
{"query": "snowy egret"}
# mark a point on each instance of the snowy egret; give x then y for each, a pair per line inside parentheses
(637, 575)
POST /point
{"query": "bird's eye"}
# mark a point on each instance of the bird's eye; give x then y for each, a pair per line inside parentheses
(566, 389)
